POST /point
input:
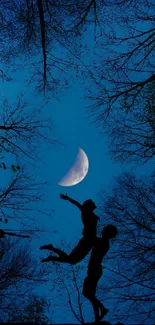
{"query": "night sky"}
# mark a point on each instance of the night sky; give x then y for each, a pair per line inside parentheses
(72, 127)
(73, 130)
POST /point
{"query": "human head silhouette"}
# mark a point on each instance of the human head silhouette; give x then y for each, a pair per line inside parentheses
(109, 231)
(89, 205)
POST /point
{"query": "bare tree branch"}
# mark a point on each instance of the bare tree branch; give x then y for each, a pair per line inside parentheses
(131, 208)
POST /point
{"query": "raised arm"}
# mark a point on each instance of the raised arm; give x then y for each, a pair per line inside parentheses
(66, 197)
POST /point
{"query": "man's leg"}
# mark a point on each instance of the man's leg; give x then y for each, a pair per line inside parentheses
(94, 276)
(88, 293)
(103, 310)
(95, 306)
(98, 306)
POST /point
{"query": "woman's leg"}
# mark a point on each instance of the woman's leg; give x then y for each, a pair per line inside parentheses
(61, 253)
(80, 251)
(61, 259)
(52, 248)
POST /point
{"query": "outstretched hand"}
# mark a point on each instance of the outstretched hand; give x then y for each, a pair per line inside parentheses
(64, 197)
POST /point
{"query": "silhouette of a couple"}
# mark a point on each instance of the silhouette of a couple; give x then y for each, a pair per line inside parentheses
(99, 246)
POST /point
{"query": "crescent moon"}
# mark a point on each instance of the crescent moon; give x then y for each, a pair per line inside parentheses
(77, 172)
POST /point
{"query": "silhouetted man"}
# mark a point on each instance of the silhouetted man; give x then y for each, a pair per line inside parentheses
(94, 272)
(85, 244)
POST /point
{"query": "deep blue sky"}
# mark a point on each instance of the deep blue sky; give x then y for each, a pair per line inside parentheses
(74, 129)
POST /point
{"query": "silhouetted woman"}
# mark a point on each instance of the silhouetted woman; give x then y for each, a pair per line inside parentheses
(85, 244)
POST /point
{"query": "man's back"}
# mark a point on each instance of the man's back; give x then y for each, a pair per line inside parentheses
(100, 248)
